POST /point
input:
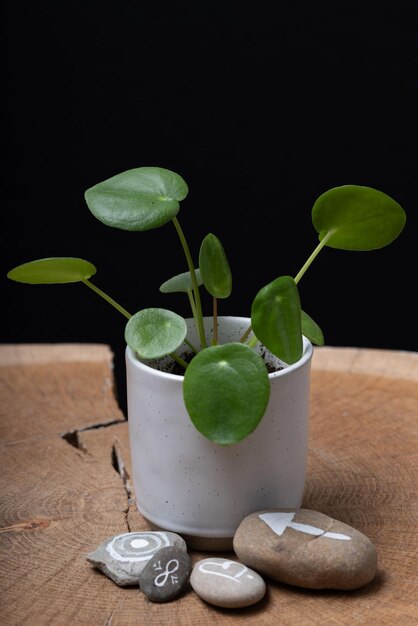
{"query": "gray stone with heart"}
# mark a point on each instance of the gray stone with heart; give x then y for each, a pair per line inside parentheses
(226, 583)
(123, 557)
(166, 574)
(306, 548)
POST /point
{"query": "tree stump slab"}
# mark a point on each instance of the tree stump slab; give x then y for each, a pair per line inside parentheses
(66, 486)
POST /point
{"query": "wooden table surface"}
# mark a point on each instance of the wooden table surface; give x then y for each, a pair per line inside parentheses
(65, 487)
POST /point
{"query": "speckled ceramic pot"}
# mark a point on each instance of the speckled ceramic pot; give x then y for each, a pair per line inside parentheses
(185, 483)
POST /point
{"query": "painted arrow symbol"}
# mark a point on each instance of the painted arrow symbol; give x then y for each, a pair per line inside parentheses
(278, 522)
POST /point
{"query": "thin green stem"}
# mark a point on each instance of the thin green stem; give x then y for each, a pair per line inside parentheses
(192, 306)
(246, 333)
(196, 292)
(215, 322)
(191, 346)
(178, 359)
(253, 342)
(300, 273)
(314, 255)
(108, 299)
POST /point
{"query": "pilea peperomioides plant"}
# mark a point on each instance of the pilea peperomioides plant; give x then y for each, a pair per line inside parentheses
(226, 387)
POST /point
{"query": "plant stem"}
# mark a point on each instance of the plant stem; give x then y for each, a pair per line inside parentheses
(253, 342)
(301, 272)
(215, 321)
(191, 346)
(108, 299)
(314, 255)
(189, 259)
(178, 359)
(246, 333)
(192, 306)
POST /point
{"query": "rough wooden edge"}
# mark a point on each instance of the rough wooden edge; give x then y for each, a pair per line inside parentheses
(377, 362)
(389, 363)
(42, 353)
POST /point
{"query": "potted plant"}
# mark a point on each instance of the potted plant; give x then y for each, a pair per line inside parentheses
(218, 406)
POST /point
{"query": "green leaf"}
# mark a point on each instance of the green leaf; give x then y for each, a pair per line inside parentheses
(226, 391)
(357, 218)
(276, 319)
(153, 333)
(52, 270)
(214, 267)
(181, 282)
(311, 330)
(139, 199)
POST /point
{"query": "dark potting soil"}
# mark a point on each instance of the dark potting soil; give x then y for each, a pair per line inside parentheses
(179, 370)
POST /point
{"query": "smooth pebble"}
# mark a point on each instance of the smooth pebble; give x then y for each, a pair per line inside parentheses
(226, 583)
(306, 548)
(166, 574)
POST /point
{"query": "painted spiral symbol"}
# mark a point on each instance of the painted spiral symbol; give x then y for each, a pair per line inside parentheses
(133, 547)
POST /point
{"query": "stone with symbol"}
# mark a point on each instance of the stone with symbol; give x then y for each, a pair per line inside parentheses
(226, 583)
(306, 548)
(166, 574)
(123, 557)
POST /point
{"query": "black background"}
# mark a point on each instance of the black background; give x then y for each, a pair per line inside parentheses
(261, 108)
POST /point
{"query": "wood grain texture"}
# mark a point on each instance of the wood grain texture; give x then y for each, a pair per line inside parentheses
(61, 497)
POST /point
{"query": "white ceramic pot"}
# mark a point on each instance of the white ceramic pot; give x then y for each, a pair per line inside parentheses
(185, 483)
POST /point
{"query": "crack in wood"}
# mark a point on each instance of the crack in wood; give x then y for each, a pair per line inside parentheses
(109, 620)
(120, 467)
(71, 436)
(75, 439)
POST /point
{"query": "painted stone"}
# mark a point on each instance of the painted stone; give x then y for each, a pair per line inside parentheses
(166, 574)
(306, 548)
(123, 557)
(226, 583)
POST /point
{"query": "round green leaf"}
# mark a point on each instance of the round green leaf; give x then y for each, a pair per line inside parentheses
(276, 319)
(214, 267)
(226, 391)
(153, 333)
(52, 270)
(357, 218)
(311, 330)
(139, 199)
(181, 282)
